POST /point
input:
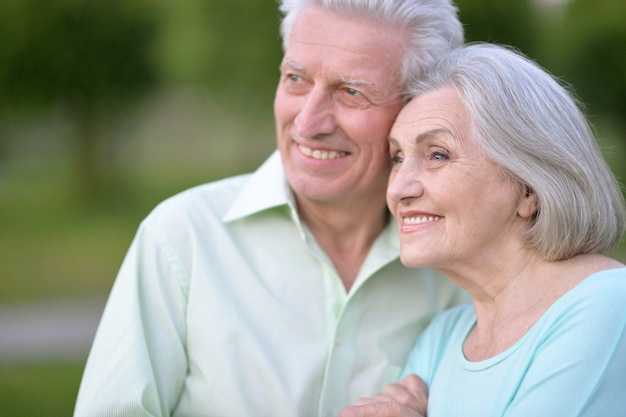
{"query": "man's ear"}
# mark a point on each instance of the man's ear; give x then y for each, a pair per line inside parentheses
(528, 205)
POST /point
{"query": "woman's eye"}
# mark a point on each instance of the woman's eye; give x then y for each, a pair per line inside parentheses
(439, 155)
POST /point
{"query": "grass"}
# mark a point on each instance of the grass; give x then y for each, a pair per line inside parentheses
(51, 247)
(34, 390)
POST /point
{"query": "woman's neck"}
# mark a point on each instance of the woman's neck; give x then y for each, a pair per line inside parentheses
(505, 315)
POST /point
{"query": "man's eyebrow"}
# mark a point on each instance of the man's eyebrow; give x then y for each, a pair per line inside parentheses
(354, 82)
(294, 66)
(357, 82)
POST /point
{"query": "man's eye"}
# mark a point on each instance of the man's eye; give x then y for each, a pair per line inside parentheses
(395, 159)
(353, 98)
(294, 84)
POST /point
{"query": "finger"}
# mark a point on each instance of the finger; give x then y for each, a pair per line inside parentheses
(419, 389)
(410, 392)
(371, 400)
(414, 383)
(380, 409)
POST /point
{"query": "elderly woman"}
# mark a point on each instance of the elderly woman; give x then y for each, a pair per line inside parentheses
(498, 182)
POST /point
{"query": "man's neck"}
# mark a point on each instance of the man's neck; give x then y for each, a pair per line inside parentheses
(345, 233)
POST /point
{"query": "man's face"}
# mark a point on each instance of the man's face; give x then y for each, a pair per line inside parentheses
(338, 95)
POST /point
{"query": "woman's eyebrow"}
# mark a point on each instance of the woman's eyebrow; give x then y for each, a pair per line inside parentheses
(431, 133)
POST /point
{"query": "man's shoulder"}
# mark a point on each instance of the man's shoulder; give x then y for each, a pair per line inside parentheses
(222, 190)
(212, 198)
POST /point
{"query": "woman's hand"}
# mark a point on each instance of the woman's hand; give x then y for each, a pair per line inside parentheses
(407, 398)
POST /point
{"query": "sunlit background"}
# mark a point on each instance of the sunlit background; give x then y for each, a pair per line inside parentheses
(109, 106)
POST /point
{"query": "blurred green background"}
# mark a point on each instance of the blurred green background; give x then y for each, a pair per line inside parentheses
(109, 106)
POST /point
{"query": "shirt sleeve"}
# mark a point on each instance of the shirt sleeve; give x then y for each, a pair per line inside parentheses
(137, 363)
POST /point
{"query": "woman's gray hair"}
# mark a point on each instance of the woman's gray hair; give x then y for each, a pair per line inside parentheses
(433, 25)
(534, 129)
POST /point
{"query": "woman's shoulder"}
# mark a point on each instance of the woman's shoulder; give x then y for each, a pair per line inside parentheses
(600, 296)
(612, 277)
(606, 283)
(593, 276)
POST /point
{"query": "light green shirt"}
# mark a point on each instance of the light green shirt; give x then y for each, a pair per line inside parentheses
(225, 305)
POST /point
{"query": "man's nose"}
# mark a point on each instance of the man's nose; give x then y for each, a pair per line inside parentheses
(316, 116)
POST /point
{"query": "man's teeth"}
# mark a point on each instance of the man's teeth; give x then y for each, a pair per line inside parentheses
(318, 154)
(420, 219)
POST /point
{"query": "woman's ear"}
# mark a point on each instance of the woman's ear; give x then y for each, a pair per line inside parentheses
(528, 205)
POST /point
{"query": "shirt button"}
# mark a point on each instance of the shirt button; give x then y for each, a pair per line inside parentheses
(338, 341)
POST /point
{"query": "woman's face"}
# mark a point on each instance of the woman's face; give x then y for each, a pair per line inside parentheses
(454, 206)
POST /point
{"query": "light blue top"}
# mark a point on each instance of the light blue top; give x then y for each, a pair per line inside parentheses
(572, 362)
(225, 305)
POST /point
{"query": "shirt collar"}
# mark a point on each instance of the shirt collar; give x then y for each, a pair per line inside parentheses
(268, 188)
(265, 189)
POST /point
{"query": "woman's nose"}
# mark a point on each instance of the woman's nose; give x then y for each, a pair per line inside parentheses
(404, 183)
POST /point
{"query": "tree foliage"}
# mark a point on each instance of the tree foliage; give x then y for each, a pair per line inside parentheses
(509, 22)
(85, 56)
(222, 46)
(596, 55)
(60, 49)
